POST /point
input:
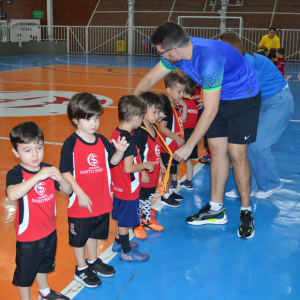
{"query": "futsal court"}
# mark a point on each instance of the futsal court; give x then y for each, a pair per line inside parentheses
(186, 262)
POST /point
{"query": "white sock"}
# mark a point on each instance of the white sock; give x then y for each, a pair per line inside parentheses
(166, 195)
(80, 269)
(91, 262)
(246, 208)
(215, 206)
(170, 192)
(45, 291)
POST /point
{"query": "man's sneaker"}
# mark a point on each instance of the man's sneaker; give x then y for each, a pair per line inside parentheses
(246, 228)
(208, 216)
(174, 185)
(117, 247)
(53, 296)
(133, 256)
(87, 277)
(188, 186)
(101, 268)
(204, 160)
(139, 232)
(176, 197)
(171, 202)
(262, 195)
(232, 194)
(152, 225)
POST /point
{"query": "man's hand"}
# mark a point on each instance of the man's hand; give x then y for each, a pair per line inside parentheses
(182, 153)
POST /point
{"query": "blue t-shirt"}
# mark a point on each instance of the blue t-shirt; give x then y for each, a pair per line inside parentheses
(270, 79)
(217, 65)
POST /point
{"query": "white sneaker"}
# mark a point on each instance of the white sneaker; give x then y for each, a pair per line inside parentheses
(232, 194)
(262, 195)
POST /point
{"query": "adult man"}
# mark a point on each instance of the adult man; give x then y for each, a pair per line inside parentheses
(230, 123)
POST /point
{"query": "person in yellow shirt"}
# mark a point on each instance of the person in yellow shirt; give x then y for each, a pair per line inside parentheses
(270, 40)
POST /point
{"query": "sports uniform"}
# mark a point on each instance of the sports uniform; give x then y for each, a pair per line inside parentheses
(280, 65)
(270, 43)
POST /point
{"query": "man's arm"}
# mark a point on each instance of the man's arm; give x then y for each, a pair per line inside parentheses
(211, 102)
(150, 79)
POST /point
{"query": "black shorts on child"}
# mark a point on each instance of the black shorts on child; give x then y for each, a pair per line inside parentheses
(81, 229)
(147, 193)
(187, 133)
(165, 159)
(126, 212)
(34, 257)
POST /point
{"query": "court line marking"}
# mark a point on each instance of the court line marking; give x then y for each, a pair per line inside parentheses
(295, 120)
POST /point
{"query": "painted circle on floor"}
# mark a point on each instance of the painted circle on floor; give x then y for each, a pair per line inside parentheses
(39, 103)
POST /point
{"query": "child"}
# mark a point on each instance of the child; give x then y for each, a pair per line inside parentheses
(85, 161)
(281, 61)
(193, 115)
(272, 56)
(146, 140)
(171, 129)
(32, 184)
(127, 177)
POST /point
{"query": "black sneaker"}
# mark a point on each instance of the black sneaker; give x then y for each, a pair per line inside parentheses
(246, 228)
(171, 202)
(176, 197)
(52, 296)
(208, 216)
(87, 277)
(101, 268)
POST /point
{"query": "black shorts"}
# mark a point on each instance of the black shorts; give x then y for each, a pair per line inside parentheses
(34, 257)
(147, 193)
(187, 133)
(165, 159)
(237, 120)
(80, 230)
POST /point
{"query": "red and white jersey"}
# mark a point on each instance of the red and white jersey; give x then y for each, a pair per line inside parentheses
(37, 209)
(176, 126)
(280, 65)
(126, 185)
(89, 163)
(197, 94)
(192, 113)
(149, 150)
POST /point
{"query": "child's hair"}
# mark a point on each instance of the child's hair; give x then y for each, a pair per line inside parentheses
(272, 53)
(261, 52)
(190, 85)
(172, 79)
(264, 48)
(130, 106)
(151, 99)
(25, 133)
(166, 107)
(281, 51)
(83, 106)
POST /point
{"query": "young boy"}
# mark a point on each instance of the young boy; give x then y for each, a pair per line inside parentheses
(193, 114)
(32, 184)
(281, 61)
(171, 129)
(86, 158)
(149, 149)
(127, 177)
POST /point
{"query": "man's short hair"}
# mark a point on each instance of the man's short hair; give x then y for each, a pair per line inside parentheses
(190, 85)
(130, 106)
(172, 79)
(281, 51)
(170, 35)
(26, 133)
(166, 107)
(151, 99)
(83, 106)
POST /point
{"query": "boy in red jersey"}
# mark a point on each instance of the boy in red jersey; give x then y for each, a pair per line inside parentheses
(32, 184)
(127, 177)
(171, 129)
(86, 158)
(146, 140)
(281, 61)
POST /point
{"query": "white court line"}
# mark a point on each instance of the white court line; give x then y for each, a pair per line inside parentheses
(295, 120)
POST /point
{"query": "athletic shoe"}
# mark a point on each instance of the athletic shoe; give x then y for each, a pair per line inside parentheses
(87, 277)
(246, 228)
(188, 186)
(52, 296)
(176, 197)
(204, 160)
(171, 202)
(153, 211)
(134, 256)
(101, 268)
(208, 216)
(152, 225)
(174, 185)
(232, 194)
(117, 247)
(139, 232)
(262, 195)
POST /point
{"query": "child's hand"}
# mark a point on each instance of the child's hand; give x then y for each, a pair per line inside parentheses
(149, 166)
(180, 141)
(182, 103)
(121, 144)
(200, 104)
(145, 177)
(85, 201)
(162, 168)
(56, 175)
(299, 77)
(45, 173)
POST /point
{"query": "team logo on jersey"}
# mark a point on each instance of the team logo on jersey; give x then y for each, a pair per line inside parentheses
(40, 188)
(72, 228)
(157, 150)
(38, 103)
(92, 160)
